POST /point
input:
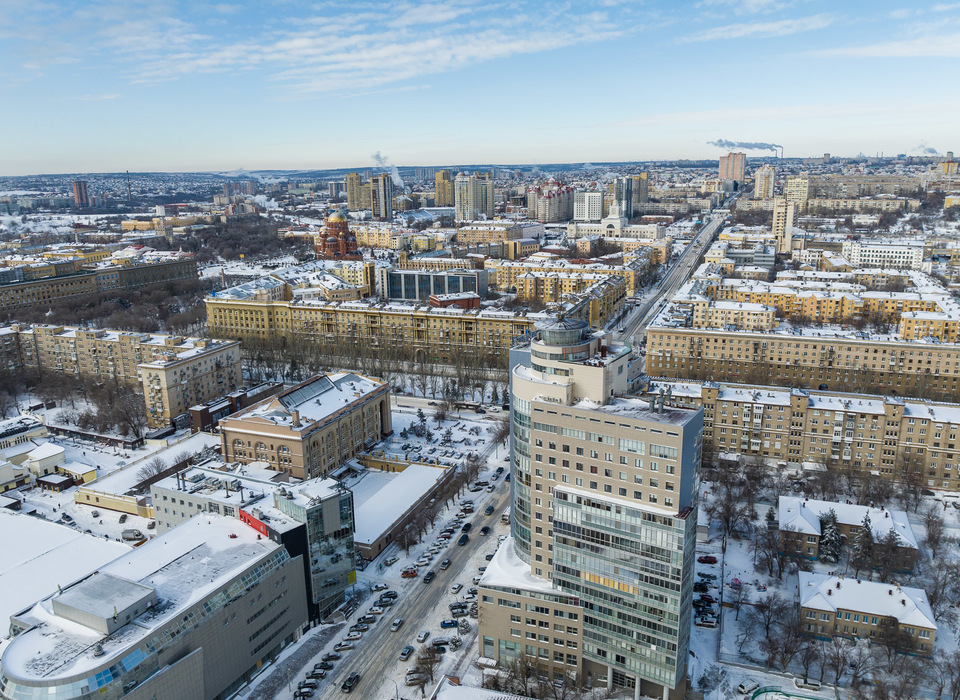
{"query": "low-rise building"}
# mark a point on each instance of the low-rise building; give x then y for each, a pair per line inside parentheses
(799, 521)
(311, 429)
(837, 606)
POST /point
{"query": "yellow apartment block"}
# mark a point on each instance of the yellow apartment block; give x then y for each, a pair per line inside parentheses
(717, 314)
(433, 334)
(865, 433)
(508, 272)
(174, 372)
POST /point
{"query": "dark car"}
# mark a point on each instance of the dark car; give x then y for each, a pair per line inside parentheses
(390, 594)
(466, 527)
(323, 666)
(484, 530)
(331, 656)
(464, 538)
(489, 557)
(488, 510)
(448, 624)
(506, 478)
(445, 564)
(385, 602)
(350, 683)
(430, 575)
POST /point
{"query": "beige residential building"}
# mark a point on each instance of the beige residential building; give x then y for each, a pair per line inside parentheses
(175, 372)
(444, 184)
(473, 196)
(596, 580)
(310, 430)
(863, 433)
(354, 185)
(839, 606)
(783, 212)
(764, 179)
(488, 232)
(732, 166)
(797, 190)
(509, 271)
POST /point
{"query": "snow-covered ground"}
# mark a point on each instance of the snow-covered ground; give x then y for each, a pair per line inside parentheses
(259, 268)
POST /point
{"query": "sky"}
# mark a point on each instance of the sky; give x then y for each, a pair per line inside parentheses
(112, 85)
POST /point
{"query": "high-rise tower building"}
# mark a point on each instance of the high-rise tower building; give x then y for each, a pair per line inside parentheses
(763, 182)
(732, 166)
(473, 196)
(444, 188)
(81, 197)
(588, 206)
(783, 212)
(623, 196)
(381, 197)
(604, 519)
(641, 189)
(354, 185)
(797, 189)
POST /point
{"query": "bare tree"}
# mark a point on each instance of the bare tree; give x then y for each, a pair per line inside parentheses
(945, 676)
(934, 523)
(738, 598)
(768, 612)
(152, 468)
(428, 660)
(808, 655)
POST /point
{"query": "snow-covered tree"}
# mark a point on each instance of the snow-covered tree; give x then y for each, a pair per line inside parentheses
(862, 555)
(831, 544)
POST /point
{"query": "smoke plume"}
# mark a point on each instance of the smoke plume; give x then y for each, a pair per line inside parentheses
(749, 145)
(926, 150)
(383, 162)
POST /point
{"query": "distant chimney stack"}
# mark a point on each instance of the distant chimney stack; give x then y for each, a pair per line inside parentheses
(295, 417)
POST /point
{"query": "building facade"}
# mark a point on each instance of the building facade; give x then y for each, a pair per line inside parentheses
(764, 179)
(733, 166)
(473, 197)
(603, 521)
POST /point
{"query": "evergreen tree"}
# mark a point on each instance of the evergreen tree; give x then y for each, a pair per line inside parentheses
(771, 516)
(862, 556)
(886, 554)
(447, 436)
(831, 544)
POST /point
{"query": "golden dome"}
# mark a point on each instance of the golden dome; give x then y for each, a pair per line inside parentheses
(336, 216)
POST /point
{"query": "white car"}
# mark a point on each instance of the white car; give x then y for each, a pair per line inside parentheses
(353, 636)
(423, 636)
(379, 587)
(455, 588)
(423, 561)
(375, 610)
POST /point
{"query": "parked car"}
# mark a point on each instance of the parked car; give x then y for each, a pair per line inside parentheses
(464, 538)
(331, 656)
(409, 573)
(359, 627)
(807, 683)
(389, 561)
(710, 622)
(447, 624)
(393, 595)
(313, 685)
(375, 610)
(385, 602)
(343, 646)
(69, 521)
(489, 557)
(123, 518)
(423, 636)
(367, 619)
(397, 624)
(490, 488)
(456, 588)
(323, 666)
(747, 687)
(416, 679)
(707, 577)
(317, 674)
(353, 636)
(406, 652)
(379, 587)
(707, 559)
(488, 510)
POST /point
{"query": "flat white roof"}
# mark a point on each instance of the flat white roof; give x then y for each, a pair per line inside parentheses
(377, 509)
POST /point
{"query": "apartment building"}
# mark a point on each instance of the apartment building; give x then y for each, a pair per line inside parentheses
(595, 581)
(53, 290)
(473, 196)
(797, 190)
(605, 295)
(892, 255)
(763, 180)
(883, 203)
(732, 166)
(193, 614)
(311, 429)
(488, 232)
(444, 187)
(175, 372)
(799, 523)
(588, 206)
(837, 606)
(508, 272)
(864, 433)
(313, 520)
(381, 193)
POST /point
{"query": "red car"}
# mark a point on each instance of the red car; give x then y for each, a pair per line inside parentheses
(409, 573)
(707, 559)
(708, 598)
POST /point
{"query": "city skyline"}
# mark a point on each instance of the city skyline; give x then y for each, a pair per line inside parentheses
(166, 86)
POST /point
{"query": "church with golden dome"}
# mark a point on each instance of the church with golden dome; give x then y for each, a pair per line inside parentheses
(336, 242)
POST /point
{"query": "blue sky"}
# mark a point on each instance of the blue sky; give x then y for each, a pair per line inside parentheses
(167, 85)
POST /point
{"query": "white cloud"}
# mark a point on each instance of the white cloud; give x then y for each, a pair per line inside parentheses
(944, 46)
(761, 30)
(742, 7)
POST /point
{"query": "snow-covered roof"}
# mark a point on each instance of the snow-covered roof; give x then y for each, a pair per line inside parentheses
(803, 516)
(376, 510)
(39, 555)
(508, 570)
(183, 566)
(909, 606)
(315, 400)
(47, 449)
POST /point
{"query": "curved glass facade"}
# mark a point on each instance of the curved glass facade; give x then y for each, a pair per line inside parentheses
(521, 477)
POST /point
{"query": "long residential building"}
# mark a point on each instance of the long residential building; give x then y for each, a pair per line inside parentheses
(596, 580)
(509, 271)
(53, 290)
(863, 433)
(174, 372)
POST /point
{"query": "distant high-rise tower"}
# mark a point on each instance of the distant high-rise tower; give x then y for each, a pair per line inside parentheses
(81, 197)
(732, 166)
(641, 189)
(783, 224)
(354, 196)
(763, 182)
(623, 196)
(381, 197)
(473, 196)
(797, 190)
(588, 206)
(444, 188)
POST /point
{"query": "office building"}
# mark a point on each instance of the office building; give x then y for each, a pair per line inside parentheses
(596, 580)
(764, 180)
(420, 285)
(733, 166)
(81, 195)
(193, 615)
(311, 429)
(444, 187)
(622, 190)
(313, 520)
(381, 197)
(587, 206)
(473, 196)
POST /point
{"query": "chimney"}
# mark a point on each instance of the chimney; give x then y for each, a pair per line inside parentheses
(890, 592)
(295, 417)
(903, 602)
(829, 591)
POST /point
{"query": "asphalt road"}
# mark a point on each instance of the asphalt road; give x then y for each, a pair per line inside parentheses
(376, 656)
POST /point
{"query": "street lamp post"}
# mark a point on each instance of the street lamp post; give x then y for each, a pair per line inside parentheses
(397, 686)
